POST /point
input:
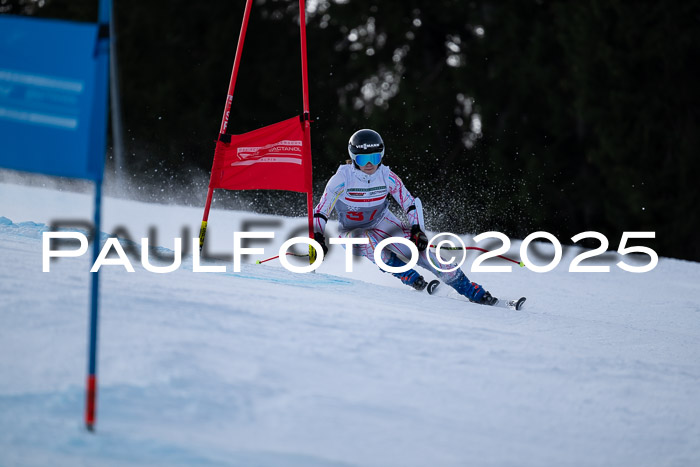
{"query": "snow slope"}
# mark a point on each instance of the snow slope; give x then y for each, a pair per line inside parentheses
(266, 367)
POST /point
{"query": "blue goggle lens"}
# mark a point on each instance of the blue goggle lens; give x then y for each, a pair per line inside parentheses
(364, 159)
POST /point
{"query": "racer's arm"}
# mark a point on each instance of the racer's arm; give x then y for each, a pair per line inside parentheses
(334, 190)
(408, 204)
(403, 197)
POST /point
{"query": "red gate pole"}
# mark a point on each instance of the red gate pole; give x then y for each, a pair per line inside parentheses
(227, 110)
(306, 118)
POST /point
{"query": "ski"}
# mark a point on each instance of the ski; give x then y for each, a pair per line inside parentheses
(511, 304)
(432, 287)
(517, 304)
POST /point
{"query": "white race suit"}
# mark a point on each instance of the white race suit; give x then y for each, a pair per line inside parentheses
(362, 203)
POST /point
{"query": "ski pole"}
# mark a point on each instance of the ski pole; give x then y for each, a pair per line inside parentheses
(519, 263)
(275, 257)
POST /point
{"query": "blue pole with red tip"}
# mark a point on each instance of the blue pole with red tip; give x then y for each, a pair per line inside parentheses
(102, 75)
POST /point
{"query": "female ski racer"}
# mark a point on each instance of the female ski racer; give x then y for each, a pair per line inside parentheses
(359, 194)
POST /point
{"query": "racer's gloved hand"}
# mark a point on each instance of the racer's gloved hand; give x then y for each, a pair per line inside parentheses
(419, 238)
(318, 236)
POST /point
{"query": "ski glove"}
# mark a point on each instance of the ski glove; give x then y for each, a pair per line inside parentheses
(419, 238)
(318, 236)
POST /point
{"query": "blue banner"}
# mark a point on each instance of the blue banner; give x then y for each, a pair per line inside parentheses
(53, 97)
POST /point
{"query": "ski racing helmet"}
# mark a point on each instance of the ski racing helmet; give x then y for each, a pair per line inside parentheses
(366, 146)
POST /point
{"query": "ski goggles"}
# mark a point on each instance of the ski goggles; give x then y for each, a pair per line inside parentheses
(363, 159)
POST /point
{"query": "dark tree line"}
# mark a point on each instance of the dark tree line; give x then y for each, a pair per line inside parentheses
(504, 115)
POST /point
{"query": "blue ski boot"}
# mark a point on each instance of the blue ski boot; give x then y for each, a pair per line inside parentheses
(410, 277)
(473, 291)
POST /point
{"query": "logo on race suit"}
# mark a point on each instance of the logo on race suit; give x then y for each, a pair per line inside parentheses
(368, 192)
(285, 151)
(366, 195)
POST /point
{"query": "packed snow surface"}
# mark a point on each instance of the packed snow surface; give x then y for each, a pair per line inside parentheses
(266, 367)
